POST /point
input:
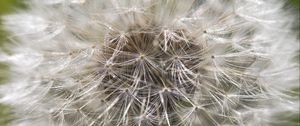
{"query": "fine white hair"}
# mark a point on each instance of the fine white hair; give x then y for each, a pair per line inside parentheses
(151, 63)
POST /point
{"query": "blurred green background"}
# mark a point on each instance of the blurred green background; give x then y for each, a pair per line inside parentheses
(10, 6)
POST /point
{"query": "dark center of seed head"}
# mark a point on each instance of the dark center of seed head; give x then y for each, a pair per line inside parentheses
(142, 56)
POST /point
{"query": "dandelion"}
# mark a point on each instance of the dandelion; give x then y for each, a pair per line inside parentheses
(151, 63)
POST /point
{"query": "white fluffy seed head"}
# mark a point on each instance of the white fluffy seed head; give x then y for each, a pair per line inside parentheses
(151, 63)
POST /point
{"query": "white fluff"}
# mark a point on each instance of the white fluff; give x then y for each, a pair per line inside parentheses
(151, 62)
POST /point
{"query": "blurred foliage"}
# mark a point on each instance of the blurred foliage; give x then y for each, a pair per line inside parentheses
(9, 6)
(295, 3)
(3, 73)
(5, 115)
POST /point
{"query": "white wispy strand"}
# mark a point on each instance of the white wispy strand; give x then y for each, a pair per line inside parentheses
(151, 63)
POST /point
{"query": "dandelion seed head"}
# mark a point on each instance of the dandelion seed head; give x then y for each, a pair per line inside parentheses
(150, 63)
